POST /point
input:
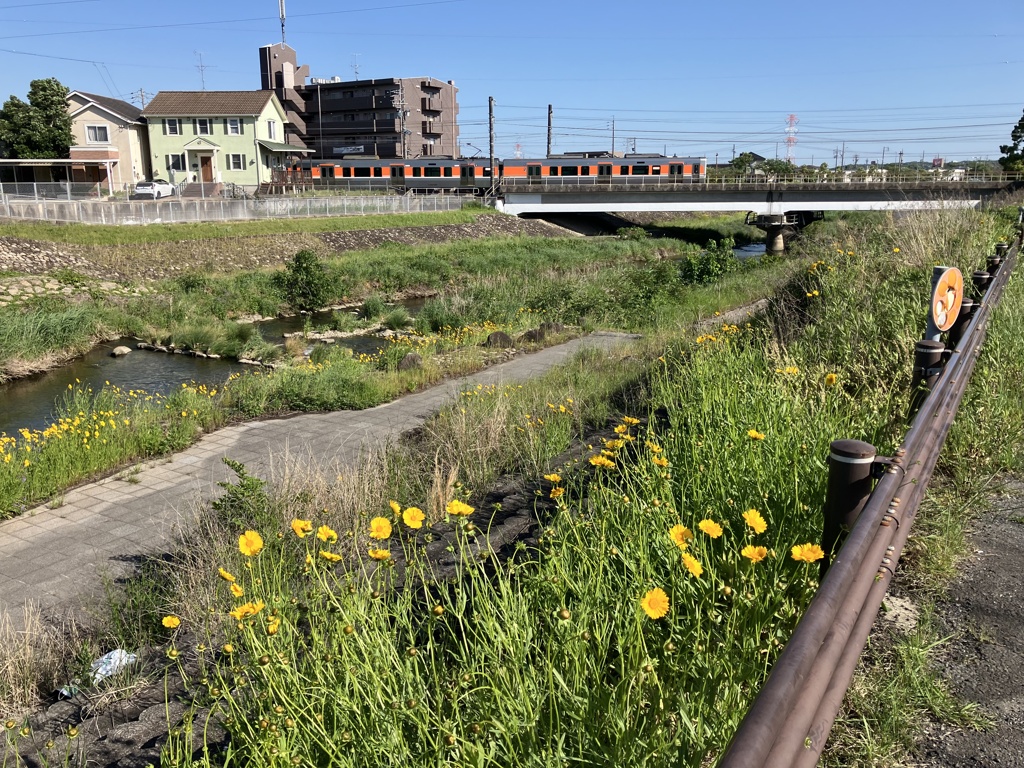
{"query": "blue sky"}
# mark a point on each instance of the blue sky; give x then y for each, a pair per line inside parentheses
(935, 79)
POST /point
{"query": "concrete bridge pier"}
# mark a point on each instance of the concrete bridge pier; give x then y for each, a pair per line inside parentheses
(780, 227)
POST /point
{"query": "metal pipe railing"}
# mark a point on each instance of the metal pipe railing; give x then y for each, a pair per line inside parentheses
(790, 719)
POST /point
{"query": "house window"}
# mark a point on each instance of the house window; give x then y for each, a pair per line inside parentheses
(204, 126)
(271, 129)
(97, 134)
(236, 162)
(172, 126)
(234, 126)
(175, 162)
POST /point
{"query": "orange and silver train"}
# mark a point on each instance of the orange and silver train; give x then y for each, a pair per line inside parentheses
(473, 175)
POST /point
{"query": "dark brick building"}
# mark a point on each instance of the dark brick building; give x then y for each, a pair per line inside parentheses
(390, 117)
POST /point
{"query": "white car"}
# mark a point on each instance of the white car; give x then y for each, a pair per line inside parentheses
(153, 189)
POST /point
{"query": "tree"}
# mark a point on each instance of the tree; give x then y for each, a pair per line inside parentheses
(40, 128)
(743, 163)
(1013, 154)
(777, 168)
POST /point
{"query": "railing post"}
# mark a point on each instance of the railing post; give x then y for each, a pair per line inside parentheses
(956, 333)
(980, 279)
(849, 486)
(927, 367)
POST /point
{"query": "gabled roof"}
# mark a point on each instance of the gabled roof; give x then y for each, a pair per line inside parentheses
(123, 109)
(208, 103)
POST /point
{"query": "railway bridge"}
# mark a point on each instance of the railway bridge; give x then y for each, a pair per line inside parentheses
(779, 206)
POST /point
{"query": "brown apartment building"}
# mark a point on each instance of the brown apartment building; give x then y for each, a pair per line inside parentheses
(390, 117)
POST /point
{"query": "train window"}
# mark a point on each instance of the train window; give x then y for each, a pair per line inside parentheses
(553, 170)
(624, 170)
(417, 172)
(398, 171)
(447, 171)
(346, 172)
(361, 173)
(377, 171)
(570, 170)
(641, 170)
(432, 172)
(533, 170)
(655, 170)
(584, 170)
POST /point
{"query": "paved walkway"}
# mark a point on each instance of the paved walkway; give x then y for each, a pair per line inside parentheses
(51, 556)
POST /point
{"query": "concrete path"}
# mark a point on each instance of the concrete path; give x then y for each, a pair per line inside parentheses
(51, 556)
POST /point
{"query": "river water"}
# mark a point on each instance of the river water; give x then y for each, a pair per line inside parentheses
(31, 403)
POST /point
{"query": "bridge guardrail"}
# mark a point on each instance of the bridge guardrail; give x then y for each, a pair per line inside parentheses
(790, 720)
(548, 183)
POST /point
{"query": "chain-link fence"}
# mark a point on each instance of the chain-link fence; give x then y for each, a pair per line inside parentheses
(218, 209)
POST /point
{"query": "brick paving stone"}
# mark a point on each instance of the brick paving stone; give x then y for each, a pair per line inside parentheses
(55, 558)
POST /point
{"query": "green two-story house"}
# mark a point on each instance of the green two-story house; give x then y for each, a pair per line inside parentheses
(218, 137)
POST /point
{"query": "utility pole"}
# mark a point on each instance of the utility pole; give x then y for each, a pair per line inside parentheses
(140, 96)
(856, 158)
(490, 125)
(399, 103)
(550, 113)
(842, 156)
(613, 135)
(835, 155)
(733, 151)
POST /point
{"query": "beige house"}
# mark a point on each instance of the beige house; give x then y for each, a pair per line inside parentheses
(111, 132)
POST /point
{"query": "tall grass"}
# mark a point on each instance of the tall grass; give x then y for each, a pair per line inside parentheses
(655, 599)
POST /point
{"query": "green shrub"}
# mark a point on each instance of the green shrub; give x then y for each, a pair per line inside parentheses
(374, 306)
(304, 282)
(715, 261)
(397, 319)
(632, 233)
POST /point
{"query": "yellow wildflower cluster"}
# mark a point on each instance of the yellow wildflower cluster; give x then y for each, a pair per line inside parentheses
(491, 390)
(789, 370)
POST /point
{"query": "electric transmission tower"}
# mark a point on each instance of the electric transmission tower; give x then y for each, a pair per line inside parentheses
(791, 131)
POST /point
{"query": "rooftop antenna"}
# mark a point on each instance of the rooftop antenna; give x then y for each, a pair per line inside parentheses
(203, 67)
(280, 4)
(355, 61)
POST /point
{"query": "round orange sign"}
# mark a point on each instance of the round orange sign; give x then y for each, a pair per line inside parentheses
(947, 298)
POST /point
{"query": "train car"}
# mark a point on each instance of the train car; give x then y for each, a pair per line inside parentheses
(630, 169)
(421, 175)
(474, 175)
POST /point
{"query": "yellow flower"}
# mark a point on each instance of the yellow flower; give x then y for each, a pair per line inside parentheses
(250, 543)
(236, 590)
(753, 434)
(413, 517)
(225, 575)
(302, 527)
(807, 553)
(654, 447)
(895, 250)
(27, 462)
(602, 461)
(456, 507)
(831, 379)
(655, 603)
(660, 461)
(554, 477)
(247, 609)
(326, 534)
(273, 625)
(630, 420)
(710, 527)
(680, 534)
(331, 556)
(692, 565)
(395, 507)
(380, 528)
(754, 554)
(171, 622)
(754, 520)
(621, 429)
(379, 554)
